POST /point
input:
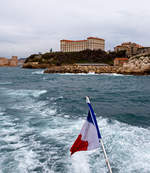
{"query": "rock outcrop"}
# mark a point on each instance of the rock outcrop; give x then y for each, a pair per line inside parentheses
(136, 65)
(35, 65)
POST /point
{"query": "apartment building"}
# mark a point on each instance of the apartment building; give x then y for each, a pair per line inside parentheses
(91, 43)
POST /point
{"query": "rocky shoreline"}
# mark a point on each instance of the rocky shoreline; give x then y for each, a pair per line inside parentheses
(94, 69)
(35, 65)
(81, 69)
(135, 66)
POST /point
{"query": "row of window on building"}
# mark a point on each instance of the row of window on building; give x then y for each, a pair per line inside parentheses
(91, 43)
(94, 43)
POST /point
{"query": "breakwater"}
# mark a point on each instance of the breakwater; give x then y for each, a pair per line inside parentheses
(81, 69)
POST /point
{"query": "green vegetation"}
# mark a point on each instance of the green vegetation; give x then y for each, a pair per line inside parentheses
(86, 56)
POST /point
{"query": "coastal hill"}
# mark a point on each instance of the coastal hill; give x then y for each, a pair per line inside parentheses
(70, 58)
(86, 61)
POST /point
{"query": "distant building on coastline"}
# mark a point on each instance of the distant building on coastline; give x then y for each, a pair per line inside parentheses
(9, 62)
(130, 48)
(120, 61)
(21, 61)
(91, 43)
(144, 50)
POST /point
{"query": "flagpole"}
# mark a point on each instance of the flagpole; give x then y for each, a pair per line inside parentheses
(105, 155)
(100, 138)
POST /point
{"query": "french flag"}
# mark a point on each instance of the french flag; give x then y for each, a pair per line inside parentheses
(89, 137)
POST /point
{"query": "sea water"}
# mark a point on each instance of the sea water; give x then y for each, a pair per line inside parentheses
(42, 114)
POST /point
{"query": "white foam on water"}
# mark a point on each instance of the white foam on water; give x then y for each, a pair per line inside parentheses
(113, 74)
(9, 138)
(10, 134)
(67, 116)
(80, 163)
(93, 73)
(49, 112)
(30, 104)
(25, 93)
(37, 93)
(2, 111)
(34, 107)
(90, 73)
(5, 83)
(56, 98)
(127, 146)
(26, 159)
(38, 72)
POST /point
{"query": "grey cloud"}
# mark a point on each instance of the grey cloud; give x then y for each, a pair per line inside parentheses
(33, 26)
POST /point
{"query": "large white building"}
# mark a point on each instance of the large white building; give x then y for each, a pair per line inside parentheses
(91, 43)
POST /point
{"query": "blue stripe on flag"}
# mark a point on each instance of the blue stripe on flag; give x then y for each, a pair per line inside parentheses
(94, 119)
(89, 118)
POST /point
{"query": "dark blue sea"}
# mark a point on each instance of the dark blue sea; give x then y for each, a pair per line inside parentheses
(42, 114)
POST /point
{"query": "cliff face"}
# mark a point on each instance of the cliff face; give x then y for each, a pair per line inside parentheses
(136, 65)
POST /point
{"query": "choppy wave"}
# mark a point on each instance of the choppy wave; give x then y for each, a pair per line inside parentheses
(38, 72)
(22, 93)
(125, 144)
(38, 127)
(127, 147)
(5, 83)
(28, 103)
(2, 111)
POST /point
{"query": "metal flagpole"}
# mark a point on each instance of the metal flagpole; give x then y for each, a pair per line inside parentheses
(99, 135)
(105, 155)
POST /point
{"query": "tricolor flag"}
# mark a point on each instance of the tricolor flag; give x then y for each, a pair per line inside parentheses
(89, 137)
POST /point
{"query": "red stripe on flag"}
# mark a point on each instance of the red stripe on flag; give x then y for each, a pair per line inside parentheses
(79, 145)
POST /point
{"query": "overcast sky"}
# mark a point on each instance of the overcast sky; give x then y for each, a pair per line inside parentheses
(32, 26)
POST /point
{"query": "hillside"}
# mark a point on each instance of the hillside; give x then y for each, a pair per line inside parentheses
(67, 58)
